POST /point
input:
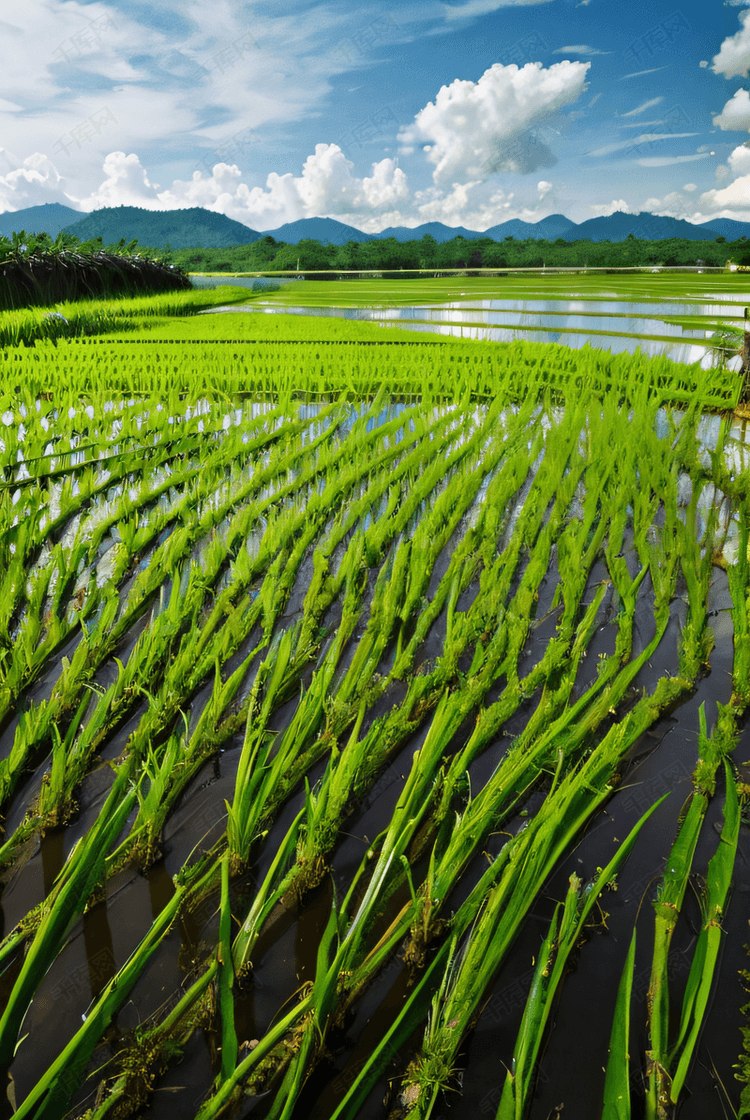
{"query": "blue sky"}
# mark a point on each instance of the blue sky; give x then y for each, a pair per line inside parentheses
(470, 112)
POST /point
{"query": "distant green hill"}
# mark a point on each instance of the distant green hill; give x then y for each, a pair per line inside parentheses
(180, 229)
(49, 218)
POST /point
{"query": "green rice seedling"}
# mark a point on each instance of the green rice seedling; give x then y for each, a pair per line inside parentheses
(409, 1016)
(705, 957)
(668, 904)
(228, 1091)
(617, 1081)
(530, 857)
(274, 887)
(739, 582)
(697, 639)
(55, 801)
(72, 890)
(565, 930)
(249, 806)
(226, 981)
(52, 1094)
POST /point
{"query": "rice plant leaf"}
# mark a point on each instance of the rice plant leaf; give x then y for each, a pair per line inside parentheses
(71, 894)
(226, 979)
(54, 1090)
(395, 1037)
(700, 979)
(549, 973)
(617, 1081)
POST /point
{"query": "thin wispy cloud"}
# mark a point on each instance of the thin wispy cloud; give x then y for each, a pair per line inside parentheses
(483, 7)
(640, 73)
(579, 48)
(667, 161)
(644, 138)
(642, 108)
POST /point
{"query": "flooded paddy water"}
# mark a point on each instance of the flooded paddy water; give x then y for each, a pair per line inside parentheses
(614, 313)
(348, 694)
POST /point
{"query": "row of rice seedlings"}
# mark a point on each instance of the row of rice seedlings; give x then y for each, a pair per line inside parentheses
(424, 775)
(516, 370)
(103, 637)
(190, 665)
(259, 1055)
(301, 723)
(668, 1064)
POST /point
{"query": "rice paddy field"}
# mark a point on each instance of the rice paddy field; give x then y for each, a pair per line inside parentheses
(672, 313)
(373, 721)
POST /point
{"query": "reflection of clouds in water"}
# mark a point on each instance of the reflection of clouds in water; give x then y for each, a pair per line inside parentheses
(571, 322)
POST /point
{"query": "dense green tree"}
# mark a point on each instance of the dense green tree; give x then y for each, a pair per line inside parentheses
(390, 255)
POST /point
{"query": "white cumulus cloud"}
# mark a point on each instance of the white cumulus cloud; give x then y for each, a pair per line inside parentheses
(729, 202)
(612, 207)
(733, 59)
(476, 127)
(29, 183)
(739, 160)
(733, 200)
(735, 116)
(126, 184)
(327, 187)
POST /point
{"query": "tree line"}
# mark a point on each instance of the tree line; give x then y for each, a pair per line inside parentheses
(389, 255)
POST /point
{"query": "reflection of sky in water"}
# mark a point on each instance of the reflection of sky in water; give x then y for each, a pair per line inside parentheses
(571, 322)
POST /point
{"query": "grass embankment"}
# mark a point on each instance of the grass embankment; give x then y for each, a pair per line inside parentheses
(91, 317)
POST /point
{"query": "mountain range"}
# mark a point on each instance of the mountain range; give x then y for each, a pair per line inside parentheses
(197, 227)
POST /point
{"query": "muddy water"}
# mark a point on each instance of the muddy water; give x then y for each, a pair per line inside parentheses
(570, 1071)
(284, 960)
